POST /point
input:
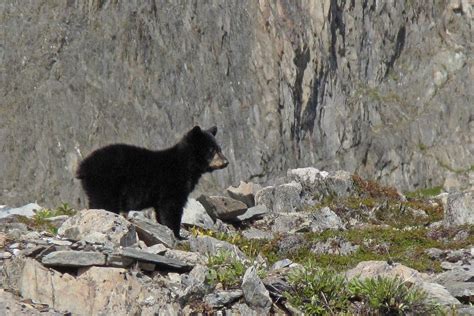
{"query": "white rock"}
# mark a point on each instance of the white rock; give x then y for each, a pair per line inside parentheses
(26, 210)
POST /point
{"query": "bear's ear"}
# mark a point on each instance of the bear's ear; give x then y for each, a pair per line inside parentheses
(194, 133)
(213, 130)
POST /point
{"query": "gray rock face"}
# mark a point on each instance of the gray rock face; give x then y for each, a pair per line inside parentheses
(99, 226)
(222, 207)
(341, 86)
(255, 293)
(460, 209)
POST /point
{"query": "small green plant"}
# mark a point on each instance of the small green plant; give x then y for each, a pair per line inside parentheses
(63, 209)
(224, 268)
(317, 291)
(390, 296)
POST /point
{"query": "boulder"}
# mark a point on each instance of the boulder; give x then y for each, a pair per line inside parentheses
(245, 192)
(371, 269)
(95, 291)
(323, 183)
(194, 214)
(459, 209)
(99, 226)
(222, 207)
(255, 293)
(324, 219)
(284, 198)
(151, 232)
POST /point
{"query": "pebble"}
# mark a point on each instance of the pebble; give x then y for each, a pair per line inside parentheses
(5, 255)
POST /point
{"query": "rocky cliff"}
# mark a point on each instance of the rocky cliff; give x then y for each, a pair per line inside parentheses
(382, 88)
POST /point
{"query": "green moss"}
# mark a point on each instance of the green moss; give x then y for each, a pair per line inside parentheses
(387, 244)
(422, 147)
(424, 193)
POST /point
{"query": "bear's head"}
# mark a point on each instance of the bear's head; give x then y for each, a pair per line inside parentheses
(207, 152)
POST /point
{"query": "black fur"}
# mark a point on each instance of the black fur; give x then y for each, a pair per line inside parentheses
(123, 177)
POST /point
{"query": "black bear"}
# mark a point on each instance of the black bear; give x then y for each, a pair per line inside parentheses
(122, 177)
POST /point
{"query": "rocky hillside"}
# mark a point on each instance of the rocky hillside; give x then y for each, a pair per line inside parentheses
(375, 87)
(314, 242)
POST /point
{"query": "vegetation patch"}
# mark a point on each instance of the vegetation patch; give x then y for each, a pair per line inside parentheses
(406, 246)
(376, 204)
(40, 222)
(317, 291)
(224, 268)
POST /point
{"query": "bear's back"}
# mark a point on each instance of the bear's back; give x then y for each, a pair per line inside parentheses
(115, 160)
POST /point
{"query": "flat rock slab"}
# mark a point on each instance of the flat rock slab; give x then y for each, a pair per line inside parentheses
(159, 260)
(253, 212)
(99, 226)
(74, 259)
(152, 233)
(254, 233)
(222, 298)
(211, 246)
(222, 207)
(26, 210)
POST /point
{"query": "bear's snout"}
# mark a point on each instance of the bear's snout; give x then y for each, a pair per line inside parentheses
(219, 161)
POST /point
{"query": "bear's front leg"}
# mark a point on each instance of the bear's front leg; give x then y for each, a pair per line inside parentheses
(170, 214)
